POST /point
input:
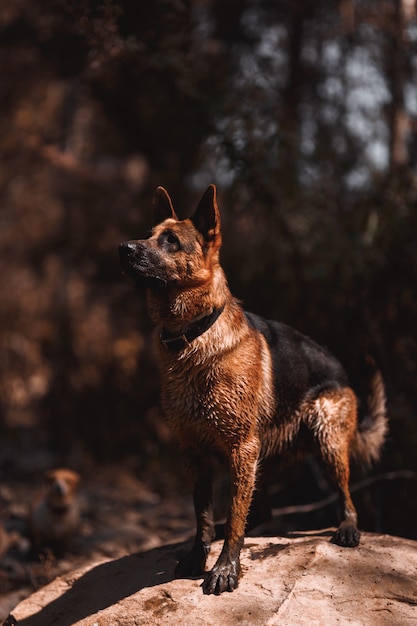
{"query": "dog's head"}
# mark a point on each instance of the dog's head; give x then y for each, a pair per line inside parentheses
(61, 486)
(178, 253)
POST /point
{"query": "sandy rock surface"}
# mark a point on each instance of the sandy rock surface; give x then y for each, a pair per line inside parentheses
(287, 581)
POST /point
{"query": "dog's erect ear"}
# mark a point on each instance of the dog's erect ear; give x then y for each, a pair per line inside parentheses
(162, 206)
(206, 218)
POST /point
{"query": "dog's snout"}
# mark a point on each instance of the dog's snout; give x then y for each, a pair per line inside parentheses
(59, 488)
(127, 248)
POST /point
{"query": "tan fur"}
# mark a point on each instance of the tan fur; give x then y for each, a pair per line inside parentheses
(219, 392)
(54, 514)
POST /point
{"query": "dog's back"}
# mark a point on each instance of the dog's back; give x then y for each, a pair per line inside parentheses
(303, 372)
(301, 366)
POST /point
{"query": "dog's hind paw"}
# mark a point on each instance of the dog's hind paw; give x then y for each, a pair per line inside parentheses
(347, 536)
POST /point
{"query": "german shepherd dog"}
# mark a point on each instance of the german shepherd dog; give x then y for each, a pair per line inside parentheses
(238, 386)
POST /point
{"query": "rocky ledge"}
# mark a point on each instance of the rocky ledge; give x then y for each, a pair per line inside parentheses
(297, 580)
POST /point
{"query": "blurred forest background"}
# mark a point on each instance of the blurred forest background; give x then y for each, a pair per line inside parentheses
(303, 113)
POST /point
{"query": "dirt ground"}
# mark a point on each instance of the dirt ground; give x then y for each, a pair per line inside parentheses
(120, 516)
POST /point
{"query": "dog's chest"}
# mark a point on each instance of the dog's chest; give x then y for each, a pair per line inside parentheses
(52, 524)
(193, 394)
(204, 402)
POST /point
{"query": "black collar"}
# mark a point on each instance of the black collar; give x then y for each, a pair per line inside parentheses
(178, 342)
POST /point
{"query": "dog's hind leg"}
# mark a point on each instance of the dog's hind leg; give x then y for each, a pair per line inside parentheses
(347, 534)
(194, 563)
(334, 420)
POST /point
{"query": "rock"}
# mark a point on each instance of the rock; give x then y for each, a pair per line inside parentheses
(292, 581)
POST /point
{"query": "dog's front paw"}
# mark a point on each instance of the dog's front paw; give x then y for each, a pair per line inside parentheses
(347, 535)
(194, 562)
(223, 577)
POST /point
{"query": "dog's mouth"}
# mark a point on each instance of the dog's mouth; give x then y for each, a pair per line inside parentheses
(136, 265)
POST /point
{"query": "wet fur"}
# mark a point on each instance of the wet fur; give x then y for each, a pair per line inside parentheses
(245, 388)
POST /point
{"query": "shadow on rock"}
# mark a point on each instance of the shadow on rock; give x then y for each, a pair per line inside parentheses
(105, 585)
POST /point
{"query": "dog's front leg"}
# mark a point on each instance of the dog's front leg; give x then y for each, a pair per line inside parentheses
(194, 563)
(225, 574)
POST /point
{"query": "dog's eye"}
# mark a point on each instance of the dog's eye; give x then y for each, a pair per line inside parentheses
(170, 238)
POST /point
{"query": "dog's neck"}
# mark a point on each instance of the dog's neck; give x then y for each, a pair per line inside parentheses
(176, 309)
(176, 341)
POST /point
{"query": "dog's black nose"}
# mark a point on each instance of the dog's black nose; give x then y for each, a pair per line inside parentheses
(127, 248)
(59, 488)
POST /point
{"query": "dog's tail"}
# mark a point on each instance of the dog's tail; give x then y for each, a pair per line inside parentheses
(373, 423)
